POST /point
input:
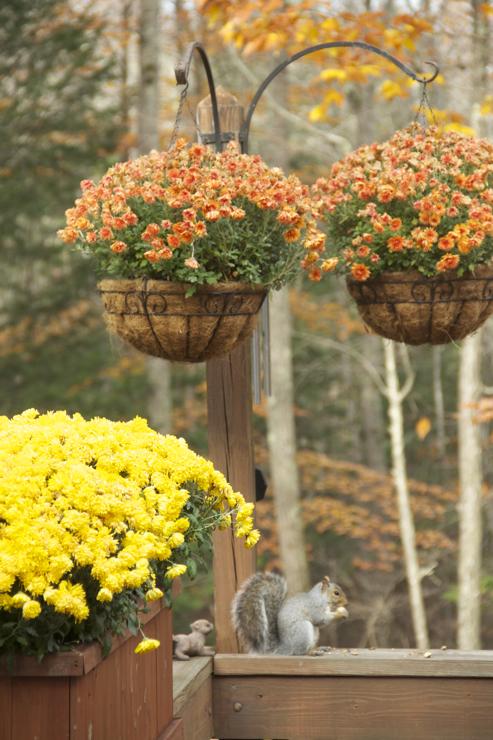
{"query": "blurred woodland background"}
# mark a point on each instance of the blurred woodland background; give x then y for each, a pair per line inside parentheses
(76, 95)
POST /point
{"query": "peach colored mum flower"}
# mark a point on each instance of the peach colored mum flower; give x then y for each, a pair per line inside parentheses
(360, 272)
(151, 255)
(448, 262)
(118, 247)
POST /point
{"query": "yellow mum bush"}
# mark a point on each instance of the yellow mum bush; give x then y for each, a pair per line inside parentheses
(92, 514)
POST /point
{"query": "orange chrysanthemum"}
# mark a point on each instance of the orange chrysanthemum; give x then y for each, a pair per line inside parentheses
(360, 272)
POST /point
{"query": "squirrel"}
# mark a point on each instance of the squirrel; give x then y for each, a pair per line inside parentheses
(193, 644)
(267, 622)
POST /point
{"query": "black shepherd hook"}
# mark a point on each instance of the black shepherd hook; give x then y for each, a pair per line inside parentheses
(181, 72)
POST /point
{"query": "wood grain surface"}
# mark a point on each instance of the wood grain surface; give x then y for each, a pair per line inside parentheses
(188, 676)
(353, 708)
(174, 731)
(83, 659)
(39, 709)
(192, 697)
(230, 431)
(356, 662)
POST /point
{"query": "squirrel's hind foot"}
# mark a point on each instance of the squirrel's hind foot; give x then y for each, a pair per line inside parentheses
(320, 650)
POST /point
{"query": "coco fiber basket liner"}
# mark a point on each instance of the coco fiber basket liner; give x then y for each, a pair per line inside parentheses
(406, 307)
(155, 317)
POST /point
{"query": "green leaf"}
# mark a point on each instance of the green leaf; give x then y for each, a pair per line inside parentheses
(191, 568)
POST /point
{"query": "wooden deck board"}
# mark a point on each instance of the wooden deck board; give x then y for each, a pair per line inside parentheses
(352, 708)
(192, 696)
(381, 662)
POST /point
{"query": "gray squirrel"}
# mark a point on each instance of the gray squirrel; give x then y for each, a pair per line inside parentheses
(267, 622)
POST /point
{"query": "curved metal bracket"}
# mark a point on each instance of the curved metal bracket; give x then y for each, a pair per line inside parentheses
(319, 47)
(181, 74)
(182, 69)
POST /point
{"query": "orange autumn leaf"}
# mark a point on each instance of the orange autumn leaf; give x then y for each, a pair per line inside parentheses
(422, 427)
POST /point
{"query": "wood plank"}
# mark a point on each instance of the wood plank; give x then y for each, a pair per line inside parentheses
(188, 676)
(79, 661)
(70, 663)
(196, 713)
(381, 662)
(40, 708)
(230, 431)
(164, 670)
(119, 697)
(174, 731)
(353, 708)
(5, 709)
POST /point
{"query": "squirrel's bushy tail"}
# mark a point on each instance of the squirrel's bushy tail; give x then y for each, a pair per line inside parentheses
(255, 608)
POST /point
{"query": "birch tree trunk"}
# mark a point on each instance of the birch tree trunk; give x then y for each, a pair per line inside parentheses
(159, 406)
(395, 396)
(281, 432)
(372, 415)
(439, 405)
(471, 481)
(282, 447)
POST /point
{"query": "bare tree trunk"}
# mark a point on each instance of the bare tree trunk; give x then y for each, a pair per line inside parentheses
(395, 396)
(282, 447)
(281, 435)
(158, 370)
(372, 410)
(439, 405)
(471, 481)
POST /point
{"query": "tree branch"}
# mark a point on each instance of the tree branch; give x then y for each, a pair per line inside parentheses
(341, 142)
(340, 347)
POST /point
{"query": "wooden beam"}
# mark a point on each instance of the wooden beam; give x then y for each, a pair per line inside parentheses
(356, 662)
(188, 676)
(192, 697)
(230, 425)
(174, 731)
(352, 708)
(229, 407)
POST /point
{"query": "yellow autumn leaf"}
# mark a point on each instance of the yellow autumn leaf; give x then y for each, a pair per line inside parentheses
(317, 113)
(331, 24)
(333, 96)
(333, 74)
(391, 89)
(487, 105)
(454, 126)
(422, 427)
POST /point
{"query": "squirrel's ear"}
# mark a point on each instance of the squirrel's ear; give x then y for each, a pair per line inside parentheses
(325, 583)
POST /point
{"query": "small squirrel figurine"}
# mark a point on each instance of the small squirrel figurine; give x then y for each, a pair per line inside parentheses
(267, 622)
(193, 644)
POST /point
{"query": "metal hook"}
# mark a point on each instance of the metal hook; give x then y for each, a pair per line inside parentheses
(181, 74)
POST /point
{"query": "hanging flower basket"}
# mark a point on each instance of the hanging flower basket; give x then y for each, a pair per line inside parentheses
(406, 307)
(156, 318)
(411, 225)
(209, 226)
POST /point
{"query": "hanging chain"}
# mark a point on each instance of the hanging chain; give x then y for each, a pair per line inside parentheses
(425, 105)
(174, 135)
(183, 99)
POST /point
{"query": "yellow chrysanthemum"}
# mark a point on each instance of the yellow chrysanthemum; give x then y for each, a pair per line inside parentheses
(31, 610)
(153, 594)
(175, 571)
(147, 645)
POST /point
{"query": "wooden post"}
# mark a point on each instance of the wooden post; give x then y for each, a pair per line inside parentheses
(230, 430)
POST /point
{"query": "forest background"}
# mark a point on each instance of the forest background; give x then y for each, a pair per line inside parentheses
(71, 104)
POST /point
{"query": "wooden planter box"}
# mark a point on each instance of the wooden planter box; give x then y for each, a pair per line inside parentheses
(79, 696)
